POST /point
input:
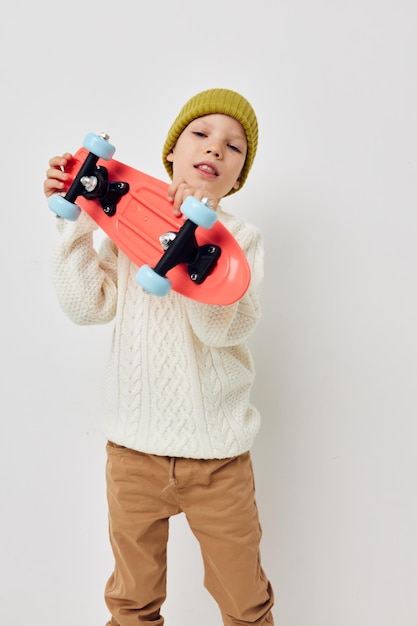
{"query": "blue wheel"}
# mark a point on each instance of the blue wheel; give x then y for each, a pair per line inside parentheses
(63, 208)
(99, 146)
(152, 282)
(198, 212)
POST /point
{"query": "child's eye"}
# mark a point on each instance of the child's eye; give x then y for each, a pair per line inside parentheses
(235, 148)
(199, 133)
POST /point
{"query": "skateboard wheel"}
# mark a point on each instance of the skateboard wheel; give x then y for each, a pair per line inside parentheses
(198, 212)
(63, 208)
(152, 282)
(99, 146)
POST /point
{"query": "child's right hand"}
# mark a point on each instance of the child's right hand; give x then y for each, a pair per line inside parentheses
(56, 178)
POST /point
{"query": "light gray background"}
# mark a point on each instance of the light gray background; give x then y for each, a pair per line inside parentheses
(333, 190)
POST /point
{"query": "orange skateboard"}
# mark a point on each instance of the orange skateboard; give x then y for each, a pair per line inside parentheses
(194, 255)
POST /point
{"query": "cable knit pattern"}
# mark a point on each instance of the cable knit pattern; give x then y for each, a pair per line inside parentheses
(180, 373)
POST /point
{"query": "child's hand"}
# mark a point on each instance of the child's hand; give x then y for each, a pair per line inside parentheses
(56, 179)
(178, 192)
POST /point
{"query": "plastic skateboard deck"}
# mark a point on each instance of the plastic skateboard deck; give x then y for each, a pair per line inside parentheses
(132, 208)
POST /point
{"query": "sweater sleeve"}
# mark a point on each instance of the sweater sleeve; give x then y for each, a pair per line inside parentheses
(225, 326)
(85, 280)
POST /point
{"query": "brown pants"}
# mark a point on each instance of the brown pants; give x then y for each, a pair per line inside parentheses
(218, 499)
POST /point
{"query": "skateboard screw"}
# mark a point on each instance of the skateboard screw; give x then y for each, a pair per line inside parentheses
(166, 239)
(194, 277)
(211, 250)
(89, 183)
(105, 136)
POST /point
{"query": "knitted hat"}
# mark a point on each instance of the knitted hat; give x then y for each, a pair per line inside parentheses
(216, 101)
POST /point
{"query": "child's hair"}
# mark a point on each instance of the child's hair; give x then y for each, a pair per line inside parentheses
(216, 101)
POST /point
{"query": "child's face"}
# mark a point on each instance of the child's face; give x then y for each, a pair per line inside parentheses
(210, 154)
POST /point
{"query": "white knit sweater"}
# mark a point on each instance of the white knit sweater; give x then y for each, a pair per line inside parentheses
(180, 372)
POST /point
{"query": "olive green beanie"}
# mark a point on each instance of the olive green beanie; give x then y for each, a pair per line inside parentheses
(216, 101)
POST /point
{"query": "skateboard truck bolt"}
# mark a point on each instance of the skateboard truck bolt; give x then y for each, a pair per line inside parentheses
(89, 183)
(166, 239)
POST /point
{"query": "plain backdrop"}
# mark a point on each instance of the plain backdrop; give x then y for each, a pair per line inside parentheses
(334, 191)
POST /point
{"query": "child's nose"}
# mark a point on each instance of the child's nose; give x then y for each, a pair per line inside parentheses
(213, 150)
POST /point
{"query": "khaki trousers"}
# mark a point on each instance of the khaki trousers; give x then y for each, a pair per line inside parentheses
(218, 499)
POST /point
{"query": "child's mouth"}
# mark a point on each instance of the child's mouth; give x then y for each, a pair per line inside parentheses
(206, 169)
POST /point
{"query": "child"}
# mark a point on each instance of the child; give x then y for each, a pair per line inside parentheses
(179, 420)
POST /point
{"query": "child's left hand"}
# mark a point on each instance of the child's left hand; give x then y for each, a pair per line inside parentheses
(179, 191)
